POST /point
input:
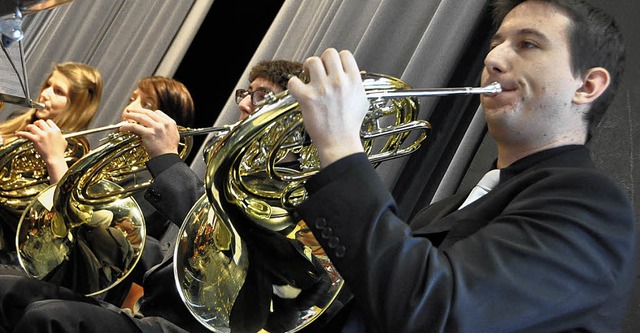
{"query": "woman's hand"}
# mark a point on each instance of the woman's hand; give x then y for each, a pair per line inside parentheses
(48, 141)
(158, 131)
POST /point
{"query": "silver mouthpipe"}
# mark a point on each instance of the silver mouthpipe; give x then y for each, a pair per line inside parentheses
(492, 88)
(220, 130)
(94, 130)
(183, 132)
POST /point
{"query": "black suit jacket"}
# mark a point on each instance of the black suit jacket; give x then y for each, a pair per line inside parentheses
(550, 249)
(174, 191)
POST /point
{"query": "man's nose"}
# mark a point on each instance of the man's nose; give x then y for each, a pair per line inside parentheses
(497, 60)
(246, 105)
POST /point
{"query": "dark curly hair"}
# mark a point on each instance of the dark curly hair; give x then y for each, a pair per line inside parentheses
(276, 71)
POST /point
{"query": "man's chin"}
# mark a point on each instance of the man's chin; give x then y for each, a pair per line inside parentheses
(498, 105)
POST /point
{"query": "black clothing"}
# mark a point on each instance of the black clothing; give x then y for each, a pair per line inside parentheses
(551, 248)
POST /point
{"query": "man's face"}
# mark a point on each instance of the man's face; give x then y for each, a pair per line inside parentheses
(245, 106)
(530, 58)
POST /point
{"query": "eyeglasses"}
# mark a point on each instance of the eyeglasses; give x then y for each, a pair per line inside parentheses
(256, 96)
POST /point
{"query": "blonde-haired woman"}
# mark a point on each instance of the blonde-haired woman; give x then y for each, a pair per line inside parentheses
(71, 95)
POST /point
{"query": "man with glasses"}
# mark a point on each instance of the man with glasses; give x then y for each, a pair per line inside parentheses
(265, 77)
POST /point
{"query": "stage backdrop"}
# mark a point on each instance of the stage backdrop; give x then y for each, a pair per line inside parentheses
(427, 43)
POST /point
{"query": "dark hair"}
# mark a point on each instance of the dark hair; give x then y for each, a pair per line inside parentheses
(171, 96)
(276, 71)
(595, 40)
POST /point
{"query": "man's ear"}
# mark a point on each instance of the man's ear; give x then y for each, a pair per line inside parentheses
(595, 83)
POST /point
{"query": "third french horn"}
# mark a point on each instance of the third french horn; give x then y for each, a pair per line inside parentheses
(251, 177)
(23, 174)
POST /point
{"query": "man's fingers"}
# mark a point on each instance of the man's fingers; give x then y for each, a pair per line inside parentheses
(331, 61)
(349, 64)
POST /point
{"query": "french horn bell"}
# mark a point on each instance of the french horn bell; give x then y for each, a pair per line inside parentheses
(87, 232)
(255, 175)
(23, 173)
(252, 181)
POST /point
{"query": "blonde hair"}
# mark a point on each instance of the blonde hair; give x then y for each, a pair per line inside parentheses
(85, 92)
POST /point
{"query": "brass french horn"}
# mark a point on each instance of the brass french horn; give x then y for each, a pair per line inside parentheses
(251, 178)
(23, 173)
(87, 232)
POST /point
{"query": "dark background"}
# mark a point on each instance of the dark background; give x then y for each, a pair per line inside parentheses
(218, 56)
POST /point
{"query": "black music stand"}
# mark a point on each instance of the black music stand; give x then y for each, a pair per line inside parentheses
(14, 86)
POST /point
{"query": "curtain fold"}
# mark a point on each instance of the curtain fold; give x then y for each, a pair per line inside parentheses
(417, 41)
(125, 40)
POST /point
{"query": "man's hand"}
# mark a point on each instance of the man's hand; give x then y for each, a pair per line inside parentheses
(333, 104)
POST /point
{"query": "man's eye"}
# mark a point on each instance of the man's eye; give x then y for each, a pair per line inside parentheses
(528, 45)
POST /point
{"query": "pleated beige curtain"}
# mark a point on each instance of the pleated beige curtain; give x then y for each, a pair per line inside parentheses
(125, 39)
(418, 41)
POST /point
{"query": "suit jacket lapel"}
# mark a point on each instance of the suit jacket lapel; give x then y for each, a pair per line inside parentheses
(433, 219)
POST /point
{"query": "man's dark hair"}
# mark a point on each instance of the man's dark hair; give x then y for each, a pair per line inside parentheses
(276, 71)
(595, 41)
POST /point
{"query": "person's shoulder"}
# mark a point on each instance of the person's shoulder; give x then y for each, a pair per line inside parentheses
(592, 184)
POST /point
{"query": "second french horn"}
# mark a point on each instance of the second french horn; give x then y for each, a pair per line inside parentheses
(87, 232)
